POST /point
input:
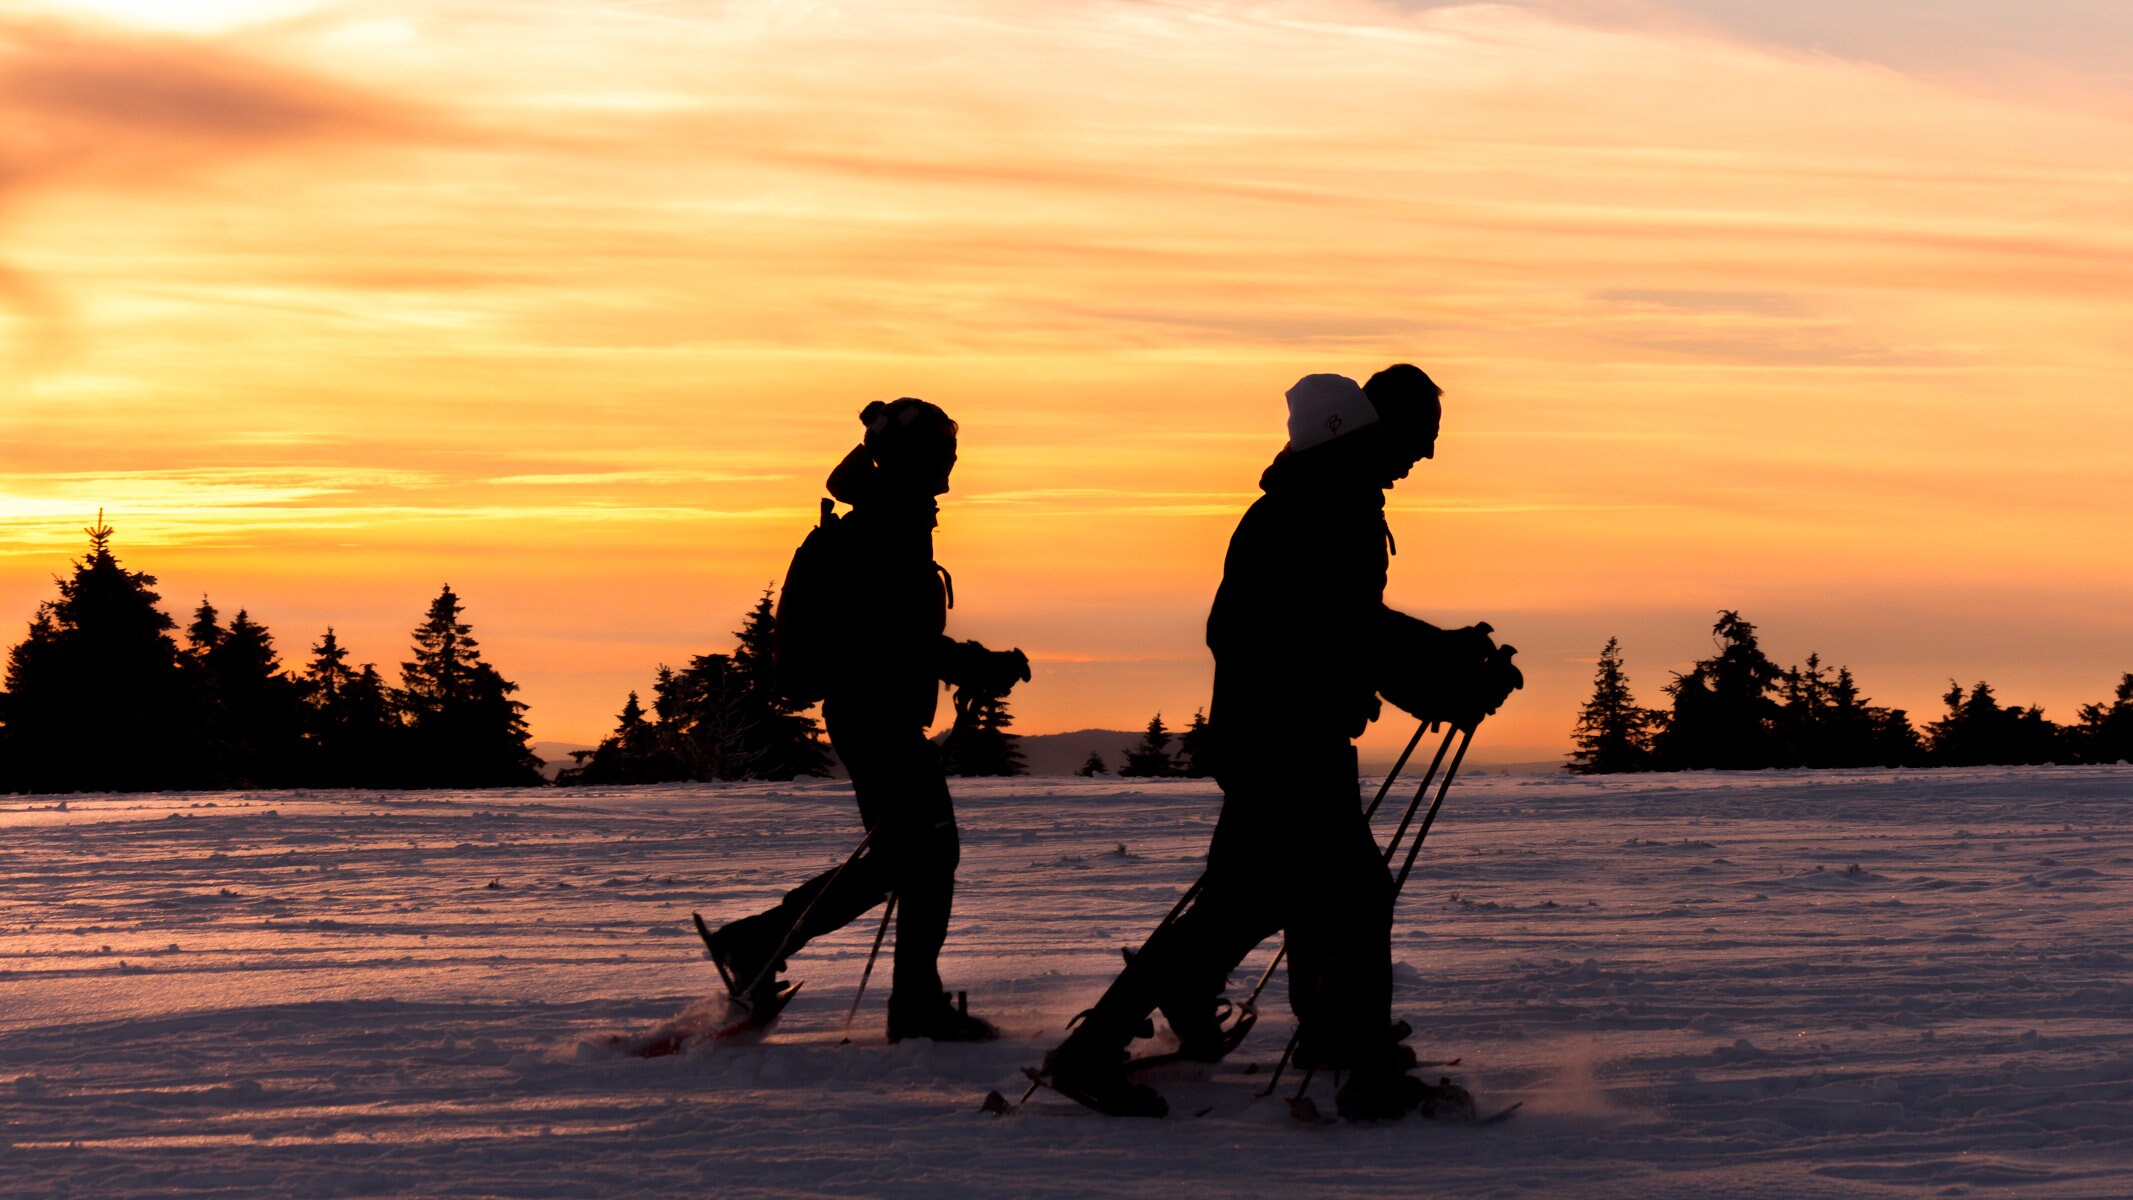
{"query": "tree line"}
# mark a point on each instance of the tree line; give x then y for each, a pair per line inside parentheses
(1738, 710)
(1152, 758)
(723, 716)
(102, 696)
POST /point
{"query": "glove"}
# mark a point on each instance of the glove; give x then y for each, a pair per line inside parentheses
(1471, 644)
(1487, 688)
(982, 672)
(1470, 678)
(1436, 674)
(1499, 679)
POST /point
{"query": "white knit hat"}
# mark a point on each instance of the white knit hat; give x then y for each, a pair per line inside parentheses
(1323, 407)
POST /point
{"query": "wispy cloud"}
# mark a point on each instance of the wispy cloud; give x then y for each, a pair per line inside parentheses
(600, 479)
(107, 109)
(586, 291)
(123, 108)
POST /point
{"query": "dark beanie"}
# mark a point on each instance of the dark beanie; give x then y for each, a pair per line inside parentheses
(904, 423)
(1400, 389)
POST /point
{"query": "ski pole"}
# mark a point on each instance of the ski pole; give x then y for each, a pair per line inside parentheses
(1407, 818)
(1466, 739)
(887, 911)
(1430, 818)
(1398, 766)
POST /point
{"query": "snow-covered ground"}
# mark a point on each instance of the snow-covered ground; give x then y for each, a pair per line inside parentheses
(1786, 985)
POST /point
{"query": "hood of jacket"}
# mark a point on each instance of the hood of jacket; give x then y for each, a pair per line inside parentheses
(858, 482)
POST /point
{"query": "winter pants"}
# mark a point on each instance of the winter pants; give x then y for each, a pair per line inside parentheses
(912, 852)
(1291, 853)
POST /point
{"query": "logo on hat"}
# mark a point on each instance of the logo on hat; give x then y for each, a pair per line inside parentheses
(1333, 423)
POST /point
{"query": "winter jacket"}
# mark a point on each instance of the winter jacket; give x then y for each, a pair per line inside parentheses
(1303, 641)
(892, 652)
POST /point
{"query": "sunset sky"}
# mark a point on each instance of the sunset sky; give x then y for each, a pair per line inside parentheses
(1773, 305)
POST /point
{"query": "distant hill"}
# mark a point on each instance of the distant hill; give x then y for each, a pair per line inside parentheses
(555, 756)
(1063, 753)
(1475, 767)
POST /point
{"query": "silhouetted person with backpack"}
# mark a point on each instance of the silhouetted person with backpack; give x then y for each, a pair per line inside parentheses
(860, 628)
(1304, 646)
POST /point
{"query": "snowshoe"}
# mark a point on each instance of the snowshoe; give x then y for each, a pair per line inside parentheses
(1447, 1101)
(696, 1026)
(1098, 1082)
(1380, 1096)
(1208, 1032)
(1204, 1046)
(1376, 1096)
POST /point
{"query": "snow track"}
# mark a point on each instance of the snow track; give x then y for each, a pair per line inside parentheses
(1780, 984)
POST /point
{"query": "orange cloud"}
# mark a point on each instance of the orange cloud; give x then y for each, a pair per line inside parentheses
(104, 109)
(119, 108)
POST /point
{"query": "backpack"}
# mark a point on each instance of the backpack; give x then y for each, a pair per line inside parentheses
(814, 616)
(822, 612)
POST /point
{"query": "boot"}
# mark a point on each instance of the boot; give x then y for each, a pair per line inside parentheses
(740, 950)
(1094, 1077)
(1380, 1095)
(936, 1019)
(1198, 1026)
(1379, 1087)
(1447, 1101)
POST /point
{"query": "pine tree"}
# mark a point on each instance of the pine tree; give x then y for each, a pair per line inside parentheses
(370, 748)
(441, 675)
(1093, 766)
(1978, 731)
(259, 709)
(1723, 714)
(2105, 734)
(351, 727)
(465, 730)
(980, 744)
(1196, 747)
(328, 675)
(632, 732)
(1150, 758)
(206, 632)
(631, 754)
(1613, 732)
(1803, 714)
(703, 720)
(95, 698)
(1850, 732)
(666, 698)
(781, 740)
(1896, 741)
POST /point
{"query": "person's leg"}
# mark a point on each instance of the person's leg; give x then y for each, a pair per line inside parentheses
(1339, 922)
(1246, 865)
(824, 904)
(903, 796)
(1340, 945)
(842, 894)
(1184, 962)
